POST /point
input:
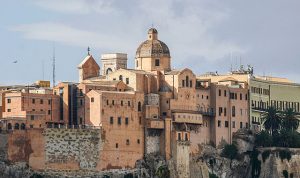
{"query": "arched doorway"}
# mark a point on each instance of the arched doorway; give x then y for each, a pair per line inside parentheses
(23, 126)
(17, 126)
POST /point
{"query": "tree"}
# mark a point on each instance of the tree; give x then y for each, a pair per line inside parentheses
(290, 120)
(263, 139)
(271, 120)
(230, 151)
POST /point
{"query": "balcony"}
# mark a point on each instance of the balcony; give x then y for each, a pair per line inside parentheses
(155, 124)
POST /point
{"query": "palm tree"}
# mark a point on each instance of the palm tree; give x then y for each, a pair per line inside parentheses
(271, 120)
(290, 121)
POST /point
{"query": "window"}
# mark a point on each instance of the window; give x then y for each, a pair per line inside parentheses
(92, 99)
(31, 126)
(138, 141)
(233, 111)
(117, 145)
(247, 125)
(81, 102)
(233, 124)
(127, 81)
(113, 102)
(179, 136)
(226, 123)
(121, 77)
(220, 111)
(107, 102)
(206, 97)
(246, 97)
(241, 124)
(41, 101)
(126, 121)
(139, 106)
(156, 62)
(241, 96)
(8, 100)
(33, 101)
(219, 92)
(182, 83)
(32, 117)
(186, 137)
(127, 142)
(49, 112)
(187, 81)
(119, 120)
(219, 123)
(191, 83)
(49, 102)
(225, 113)
(8, 110)
(128, 103)
(235, 96)
(225, 93)
(111, 121)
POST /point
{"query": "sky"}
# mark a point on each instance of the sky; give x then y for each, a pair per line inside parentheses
(204, 35)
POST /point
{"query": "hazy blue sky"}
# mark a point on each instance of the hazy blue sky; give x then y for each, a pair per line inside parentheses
(201, 34)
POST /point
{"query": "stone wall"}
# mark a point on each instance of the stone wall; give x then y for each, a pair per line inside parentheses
(153, 141)
(77, 147)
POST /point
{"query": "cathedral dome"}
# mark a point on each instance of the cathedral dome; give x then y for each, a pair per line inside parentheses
(152, 47)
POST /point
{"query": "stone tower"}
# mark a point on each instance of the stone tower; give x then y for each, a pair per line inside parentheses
(153, 54)
(113, 62)
(88, 68)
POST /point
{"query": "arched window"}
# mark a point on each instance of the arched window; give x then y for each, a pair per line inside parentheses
(121, 77)
(23, 126)
(187, 81)
(17, 126)
(108, 71)
(139, 106)
(9, 127)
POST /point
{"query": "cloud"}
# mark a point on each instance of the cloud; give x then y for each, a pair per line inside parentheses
(77, 6)
(68, 35)
(184, 26)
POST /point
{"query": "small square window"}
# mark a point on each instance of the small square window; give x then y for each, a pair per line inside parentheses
(8, 110)
(92, 100)
(8, 100)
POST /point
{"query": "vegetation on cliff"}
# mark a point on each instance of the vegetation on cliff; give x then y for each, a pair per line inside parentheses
(280, 129)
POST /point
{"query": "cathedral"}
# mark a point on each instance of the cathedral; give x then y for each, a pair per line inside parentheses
(153, 108)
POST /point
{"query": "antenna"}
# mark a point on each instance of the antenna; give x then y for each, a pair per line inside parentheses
(230, 61)
(53, 66)
(43, 69)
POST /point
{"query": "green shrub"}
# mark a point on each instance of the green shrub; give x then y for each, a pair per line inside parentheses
(263, 139)
(285, 173)
(230, 151)
(212, 175)
(265, 155)
(285, 154)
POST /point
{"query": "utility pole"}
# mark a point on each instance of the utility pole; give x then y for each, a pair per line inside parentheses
(53, 66)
